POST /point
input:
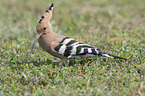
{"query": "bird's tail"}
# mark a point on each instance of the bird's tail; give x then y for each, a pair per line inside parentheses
(109, 55)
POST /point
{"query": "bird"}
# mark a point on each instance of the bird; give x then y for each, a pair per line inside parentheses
(61, 46)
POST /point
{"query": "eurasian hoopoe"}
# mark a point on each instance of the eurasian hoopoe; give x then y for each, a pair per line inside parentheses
(60, 46)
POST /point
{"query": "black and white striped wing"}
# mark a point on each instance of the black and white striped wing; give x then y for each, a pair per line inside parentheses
(71, 48)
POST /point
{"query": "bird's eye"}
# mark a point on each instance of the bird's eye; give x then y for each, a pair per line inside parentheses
(44, 28)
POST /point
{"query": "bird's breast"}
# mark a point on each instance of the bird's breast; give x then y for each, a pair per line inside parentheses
(47, 44)
(44, 42)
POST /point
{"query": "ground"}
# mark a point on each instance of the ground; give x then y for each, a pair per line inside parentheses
(115, 26)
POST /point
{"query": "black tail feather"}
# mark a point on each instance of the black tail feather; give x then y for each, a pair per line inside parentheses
(117, 57)
(101, 53)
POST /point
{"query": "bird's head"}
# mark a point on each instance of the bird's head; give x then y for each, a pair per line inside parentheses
(43, 26)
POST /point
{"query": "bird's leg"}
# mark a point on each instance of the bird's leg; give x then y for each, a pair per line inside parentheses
(71, 62)
(56, 61)
(82, 62)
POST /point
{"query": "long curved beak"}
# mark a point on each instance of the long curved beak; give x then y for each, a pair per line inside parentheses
(38, 35)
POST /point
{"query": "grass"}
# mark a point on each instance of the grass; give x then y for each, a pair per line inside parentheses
(115, 26)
